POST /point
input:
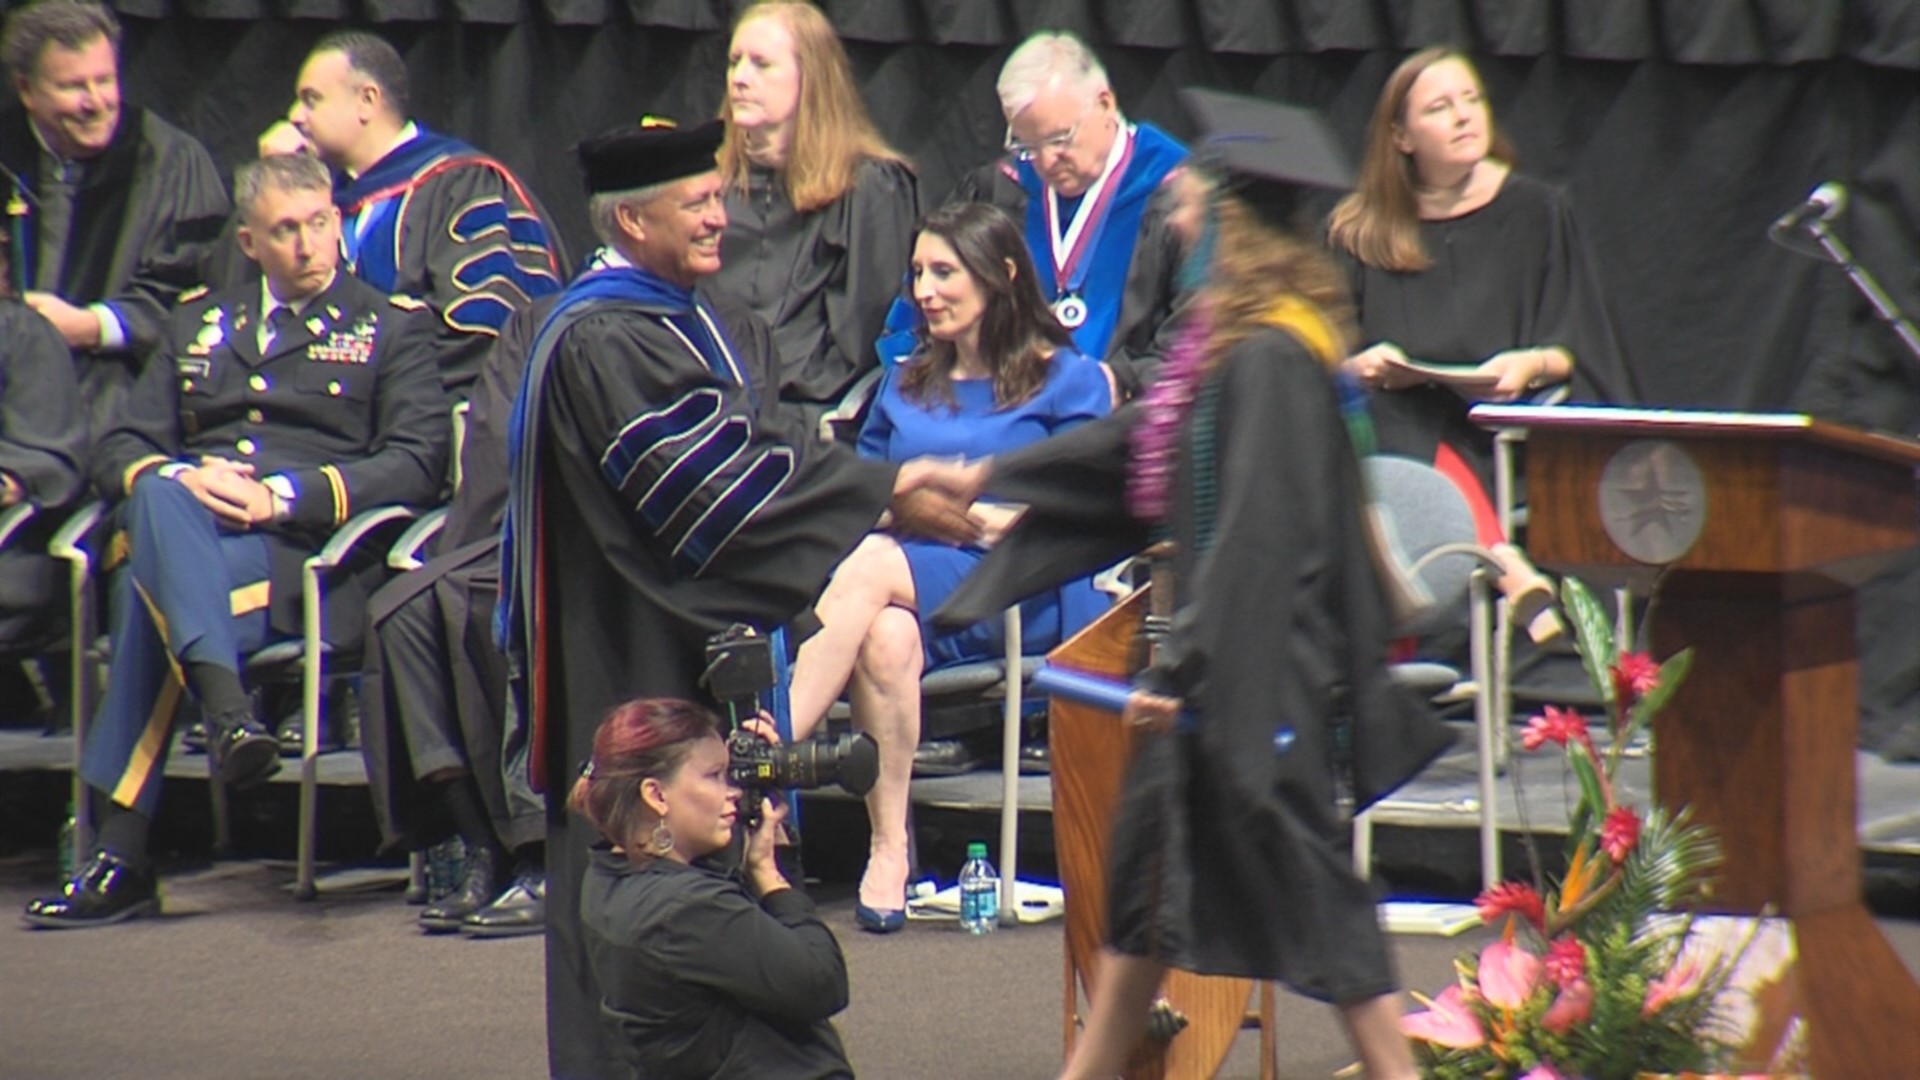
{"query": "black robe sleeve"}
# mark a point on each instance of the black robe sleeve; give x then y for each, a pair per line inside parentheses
(710, 499)
(41, 437)
(1076, 522)
(1154, 305)
(1573, 314)
(148, 427)
(467, 254)
(180, 206)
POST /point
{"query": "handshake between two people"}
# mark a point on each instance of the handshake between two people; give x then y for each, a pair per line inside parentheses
(935, 499)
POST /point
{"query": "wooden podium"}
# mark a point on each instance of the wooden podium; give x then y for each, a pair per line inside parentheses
(1090, 750)
(1756, 529)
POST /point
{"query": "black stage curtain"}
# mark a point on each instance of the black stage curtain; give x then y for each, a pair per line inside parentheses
(1682, 127)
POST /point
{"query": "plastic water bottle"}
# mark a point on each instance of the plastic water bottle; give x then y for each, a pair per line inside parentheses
(979, 892)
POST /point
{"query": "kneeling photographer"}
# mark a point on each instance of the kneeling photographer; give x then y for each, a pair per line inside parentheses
(702, 973)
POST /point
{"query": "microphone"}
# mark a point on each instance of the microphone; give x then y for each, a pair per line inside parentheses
(1822, 205)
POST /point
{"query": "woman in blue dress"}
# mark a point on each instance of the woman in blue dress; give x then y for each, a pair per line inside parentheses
(995, 371)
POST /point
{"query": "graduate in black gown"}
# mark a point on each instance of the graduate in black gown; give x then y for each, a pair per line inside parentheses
(658, 493)
(820, 210)
(1270, 706)
(1458, 261)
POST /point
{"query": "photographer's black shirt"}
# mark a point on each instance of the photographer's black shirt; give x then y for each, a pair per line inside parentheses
(700, 980)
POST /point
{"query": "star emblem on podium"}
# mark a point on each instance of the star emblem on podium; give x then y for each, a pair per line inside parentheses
(1653, 500)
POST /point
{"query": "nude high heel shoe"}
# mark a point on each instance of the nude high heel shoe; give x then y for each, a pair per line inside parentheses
(1529, 594)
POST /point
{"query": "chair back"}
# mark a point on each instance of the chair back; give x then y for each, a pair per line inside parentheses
(1420, 511)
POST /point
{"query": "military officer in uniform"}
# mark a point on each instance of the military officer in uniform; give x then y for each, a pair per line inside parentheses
(275, 411)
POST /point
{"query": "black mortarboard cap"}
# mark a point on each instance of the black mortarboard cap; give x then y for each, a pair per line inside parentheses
(1257, 141)
(654, 151)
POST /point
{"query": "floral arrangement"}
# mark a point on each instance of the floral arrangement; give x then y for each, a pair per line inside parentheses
(1593, 977)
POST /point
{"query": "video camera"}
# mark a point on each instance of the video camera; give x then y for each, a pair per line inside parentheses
(739, 669)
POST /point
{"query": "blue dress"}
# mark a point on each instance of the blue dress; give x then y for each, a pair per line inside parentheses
(900, 430)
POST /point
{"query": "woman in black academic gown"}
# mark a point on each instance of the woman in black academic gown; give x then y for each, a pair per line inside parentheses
(1462, 265)
(701, 974)
(820, 210)
(1227, 853)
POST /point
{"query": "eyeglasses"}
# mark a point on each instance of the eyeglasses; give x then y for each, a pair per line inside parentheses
(1024, 152)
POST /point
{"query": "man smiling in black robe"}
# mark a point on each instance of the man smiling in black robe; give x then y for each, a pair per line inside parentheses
(659, 492)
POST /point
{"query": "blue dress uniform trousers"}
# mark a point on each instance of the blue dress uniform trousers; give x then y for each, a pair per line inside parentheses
(191, 592)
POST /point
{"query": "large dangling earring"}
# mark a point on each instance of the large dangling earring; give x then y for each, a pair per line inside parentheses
(660, 841)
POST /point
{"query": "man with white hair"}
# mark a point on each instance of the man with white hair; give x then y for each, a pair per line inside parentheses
(1087, 185)
(658, 492)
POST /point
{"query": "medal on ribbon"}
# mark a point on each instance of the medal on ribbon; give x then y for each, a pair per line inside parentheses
(1073, 247)
(1071, 311)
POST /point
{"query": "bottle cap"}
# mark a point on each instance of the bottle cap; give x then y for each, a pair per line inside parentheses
(977, 850)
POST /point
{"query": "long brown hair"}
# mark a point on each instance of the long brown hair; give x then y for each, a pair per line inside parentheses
(1379, 223)
(646, 738)
(832, 133)
(1018, 333)
(1253, 264)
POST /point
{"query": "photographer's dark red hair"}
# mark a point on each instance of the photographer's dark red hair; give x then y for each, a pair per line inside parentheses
(642, 738)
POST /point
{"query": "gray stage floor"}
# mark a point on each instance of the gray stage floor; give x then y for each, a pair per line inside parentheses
(1532, 792)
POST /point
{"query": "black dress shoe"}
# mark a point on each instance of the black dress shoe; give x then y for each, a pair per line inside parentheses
(1036, 759)
(104, 892)
(475, 891)
(292, 734)
(242, 751)
(522, 909)
(944, 757)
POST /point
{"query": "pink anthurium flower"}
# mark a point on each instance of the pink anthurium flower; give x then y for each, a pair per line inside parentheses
(1508, 975)
(1449, 1022)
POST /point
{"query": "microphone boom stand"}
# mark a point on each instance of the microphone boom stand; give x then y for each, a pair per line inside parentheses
(1868, 286)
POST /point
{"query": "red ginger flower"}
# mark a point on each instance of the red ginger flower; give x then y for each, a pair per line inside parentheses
(1512, 898)
(1620, 833)
(1566, 961)
(1558, 726)
(1635, 676)
(1679, 982)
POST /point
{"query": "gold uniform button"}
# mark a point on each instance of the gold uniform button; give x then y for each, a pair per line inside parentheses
(246, 446)
(255, 416)
(186, 385)
(256, 382)
(333, 387)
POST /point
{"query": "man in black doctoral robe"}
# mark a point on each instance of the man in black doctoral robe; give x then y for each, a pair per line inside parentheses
(112, 210)
(426, 214)
(659, 493)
